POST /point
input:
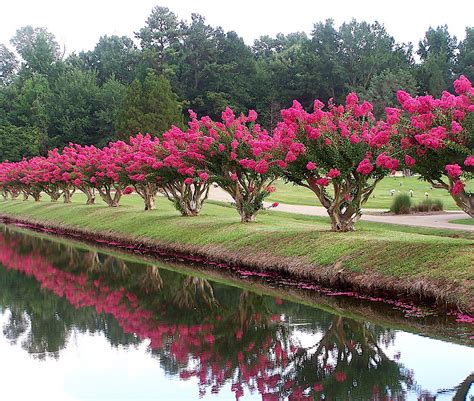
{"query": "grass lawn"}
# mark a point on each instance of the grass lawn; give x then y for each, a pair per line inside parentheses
(467, 222)
(410, 255)
(381, 198)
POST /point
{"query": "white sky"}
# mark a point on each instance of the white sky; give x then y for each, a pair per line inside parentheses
(79, 24)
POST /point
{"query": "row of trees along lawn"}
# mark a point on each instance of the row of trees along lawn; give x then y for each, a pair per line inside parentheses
(143, 84)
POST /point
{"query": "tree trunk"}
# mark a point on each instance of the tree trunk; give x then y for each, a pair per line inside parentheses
(16, 193)
(465, 201)
(36, 196)
(188, 199)
(26, 195)
(150, 202)
(343, 222)
(148, 193)
(54, 195)
(90, 194)
(188, 210)
(67, 195)
(246, 217)
(463, 389)
(4, 194)
(106, 196)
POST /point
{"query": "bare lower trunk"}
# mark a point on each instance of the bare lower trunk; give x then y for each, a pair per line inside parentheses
(247, 217)
(463, 389)
(4, 194)
(344, 207)
(248, 202)
(90, 194)
(106, 195)
(54, 195)
(67, 195)
(343, 222)
(36, 196)
(150, 203)
(14, 193)
(188, 199)
(148, 194)
(26, 195)
(465, 201)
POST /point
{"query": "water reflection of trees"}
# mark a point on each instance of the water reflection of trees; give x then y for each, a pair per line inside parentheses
(196, 328)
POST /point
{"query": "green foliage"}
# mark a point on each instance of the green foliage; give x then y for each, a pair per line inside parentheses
(110, 99)
(8, 65)
(437, 52)
(149, 107)
(401, 204)
(38, 49)
(18, 142)
(465, 57)
(382, 91)
(113, 57)
(73, 108)
(367, 49)
(30, 103)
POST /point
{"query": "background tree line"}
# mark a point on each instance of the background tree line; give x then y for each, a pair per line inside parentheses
(145, 84)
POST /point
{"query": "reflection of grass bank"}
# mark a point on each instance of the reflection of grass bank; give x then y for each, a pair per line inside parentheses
(288, 193)
(423, 262)
(467, 222)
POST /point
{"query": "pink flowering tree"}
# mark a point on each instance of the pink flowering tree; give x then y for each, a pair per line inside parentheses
(240, 156)
(139, 167)
(152, 165)
(28, 178)
(8, 180)
(55, 174)
(184, 184)
(340, 154)
(437, 139)
(98, 169)
(77, 156)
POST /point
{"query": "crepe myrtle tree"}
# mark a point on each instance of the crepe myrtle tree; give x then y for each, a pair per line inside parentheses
(343, 148)
(56, 176)
(437, 139)
(8, 172)
(139, 167)
(77, 158)
(238, 155)
(184, 184)
(29, 178)
(98, 169)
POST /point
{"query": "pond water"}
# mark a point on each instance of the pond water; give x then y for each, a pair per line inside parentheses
(83, 323)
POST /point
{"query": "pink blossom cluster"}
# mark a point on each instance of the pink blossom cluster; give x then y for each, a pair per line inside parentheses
(435, 131)
(341, 129)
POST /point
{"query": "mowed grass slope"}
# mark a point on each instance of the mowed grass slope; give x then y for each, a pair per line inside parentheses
(381, 197)
(405, 254)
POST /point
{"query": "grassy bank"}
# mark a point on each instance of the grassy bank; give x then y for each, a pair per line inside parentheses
(468, 222)
(424, 262)
(381, 198)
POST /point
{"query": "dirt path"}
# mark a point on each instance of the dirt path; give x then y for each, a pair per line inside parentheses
(432, 221)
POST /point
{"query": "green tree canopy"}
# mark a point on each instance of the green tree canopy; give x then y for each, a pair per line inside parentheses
(37, 48)
(149, 107)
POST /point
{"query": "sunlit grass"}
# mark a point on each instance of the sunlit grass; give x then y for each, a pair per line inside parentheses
(468, 222)
(381, 198)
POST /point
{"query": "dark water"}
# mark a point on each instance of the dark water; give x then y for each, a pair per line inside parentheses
(79, 323)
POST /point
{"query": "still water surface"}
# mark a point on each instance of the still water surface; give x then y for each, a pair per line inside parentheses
(81, 323)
